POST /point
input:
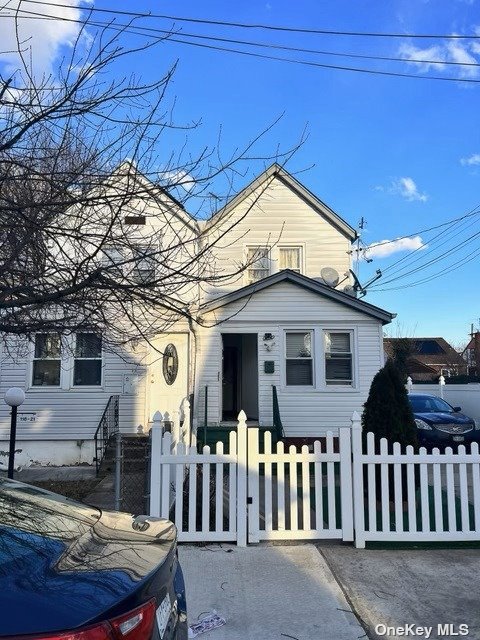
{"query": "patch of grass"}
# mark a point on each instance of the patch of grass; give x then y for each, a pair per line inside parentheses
(73, 489)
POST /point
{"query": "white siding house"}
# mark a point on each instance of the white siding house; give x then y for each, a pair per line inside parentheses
(276, 324)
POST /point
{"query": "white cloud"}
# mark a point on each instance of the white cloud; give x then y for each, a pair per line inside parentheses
(386, 248)
(407, 188)
(179, 178)
(42, 39)
(472, 160)
(435, 52)
(458, 51)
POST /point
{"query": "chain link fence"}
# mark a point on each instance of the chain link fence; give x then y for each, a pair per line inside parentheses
(132, 474)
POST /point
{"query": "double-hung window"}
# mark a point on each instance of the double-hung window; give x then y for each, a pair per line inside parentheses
(299, 358)
(290, 258)
(144, 266)
(258, 263)
(338, 358)
(46, 360)
(87, 367)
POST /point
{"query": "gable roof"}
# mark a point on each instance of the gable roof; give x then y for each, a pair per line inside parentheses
(306, 283)
(128, 169)
(276, 171)
(429, 351)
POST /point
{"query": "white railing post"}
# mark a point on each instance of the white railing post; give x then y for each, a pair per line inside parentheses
(358, 499)
(155, 464)
(409, 384)
(242, 462)
(441, 384)
(346, 490)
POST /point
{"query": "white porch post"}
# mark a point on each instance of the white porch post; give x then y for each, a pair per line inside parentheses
(155, 464)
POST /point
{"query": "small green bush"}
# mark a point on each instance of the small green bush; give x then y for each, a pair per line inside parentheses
(387, 411)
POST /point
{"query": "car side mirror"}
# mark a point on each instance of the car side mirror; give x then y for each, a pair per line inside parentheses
(457, 409)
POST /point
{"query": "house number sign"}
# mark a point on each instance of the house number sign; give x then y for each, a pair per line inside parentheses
(170, 363)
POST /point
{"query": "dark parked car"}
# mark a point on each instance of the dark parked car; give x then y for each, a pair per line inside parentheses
(439, 424)
(72, 572)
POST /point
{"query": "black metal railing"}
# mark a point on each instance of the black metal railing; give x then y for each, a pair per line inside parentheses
(277, 421)
(205, 417)
(106, 430)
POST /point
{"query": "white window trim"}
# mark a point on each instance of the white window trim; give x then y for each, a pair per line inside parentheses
(308, 387)
(73, 358)
(245, 260)
(318, 352)
(291, 245)
(66, 368)
(31, 357)
(354, 386)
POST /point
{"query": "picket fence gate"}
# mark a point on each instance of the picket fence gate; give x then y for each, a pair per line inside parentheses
(248, 495)
(336, 490)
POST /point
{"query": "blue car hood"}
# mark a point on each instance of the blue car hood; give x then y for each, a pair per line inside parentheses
(444, 418)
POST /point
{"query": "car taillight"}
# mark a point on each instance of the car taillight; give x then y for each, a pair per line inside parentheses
(134, 625)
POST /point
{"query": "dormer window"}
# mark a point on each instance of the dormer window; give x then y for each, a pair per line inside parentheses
(258, 261)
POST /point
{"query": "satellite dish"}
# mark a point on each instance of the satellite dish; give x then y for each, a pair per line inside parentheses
(330, 276)
(349, 290)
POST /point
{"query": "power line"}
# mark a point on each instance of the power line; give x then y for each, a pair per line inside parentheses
(421, 248)
(472, 212)
(307, 63)
(243, 25)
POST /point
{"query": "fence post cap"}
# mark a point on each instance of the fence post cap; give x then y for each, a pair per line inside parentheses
(242, 416)
(166, 416)
(356, 418)
(157, 417)
(409, 380)
(441, 380)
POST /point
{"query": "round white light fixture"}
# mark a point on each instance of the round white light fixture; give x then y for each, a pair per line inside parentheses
(15, 396)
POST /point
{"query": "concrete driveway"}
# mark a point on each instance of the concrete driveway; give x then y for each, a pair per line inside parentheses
(267, 592)
(426, 587)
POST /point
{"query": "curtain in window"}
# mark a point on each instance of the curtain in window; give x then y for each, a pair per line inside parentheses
(289, 258)
(258, 259)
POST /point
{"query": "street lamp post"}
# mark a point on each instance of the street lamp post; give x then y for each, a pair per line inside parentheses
(14, 397)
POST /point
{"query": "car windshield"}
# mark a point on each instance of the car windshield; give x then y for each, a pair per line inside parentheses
(429, 404)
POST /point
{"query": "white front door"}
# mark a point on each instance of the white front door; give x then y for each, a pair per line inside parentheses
(168, 373)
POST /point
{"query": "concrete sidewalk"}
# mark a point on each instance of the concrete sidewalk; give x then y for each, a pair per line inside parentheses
(425, 587)
(267, 593)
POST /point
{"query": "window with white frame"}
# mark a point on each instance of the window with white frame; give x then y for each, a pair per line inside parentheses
(258, 261)
(144, 271)
(299, 358)
(87, 367)
(46, 360)
(290, 258)
(338, 358)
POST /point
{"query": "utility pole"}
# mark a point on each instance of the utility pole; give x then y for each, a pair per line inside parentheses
(475, 335)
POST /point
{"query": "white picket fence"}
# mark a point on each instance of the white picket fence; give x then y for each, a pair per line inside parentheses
(334, 490)
(421, 496)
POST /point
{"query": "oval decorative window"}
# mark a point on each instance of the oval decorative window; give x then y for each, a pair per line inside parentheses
(170, 363)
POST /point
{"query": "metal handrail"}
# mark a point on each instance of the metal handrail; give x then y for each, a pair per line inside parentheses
(107, 428)
(277, 421)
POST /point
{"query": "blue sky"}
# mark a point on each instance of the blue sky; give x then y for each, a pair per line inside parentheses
(400, 152)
